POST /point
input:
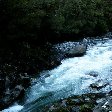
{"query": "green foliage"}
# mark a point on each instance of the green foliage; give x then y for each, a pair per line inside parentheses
(31, 18)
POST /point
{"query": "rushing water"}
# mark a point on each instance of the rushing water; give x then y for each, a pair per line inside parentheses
(70, 78)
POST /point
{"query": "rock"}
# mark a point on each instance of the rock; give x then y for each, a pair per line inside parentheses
(75, 109)
(71, 49)
(2, 83)
(99, 85)
(18, 91)
(110, 93)
(7, 82)
(52, 108)
(79, 103)
(99, 100)
(93, 73)
(25, 80)
(78, 50)
(2, 87)
(19, 67)
(64, 103)
(11, 96)
(104, 106)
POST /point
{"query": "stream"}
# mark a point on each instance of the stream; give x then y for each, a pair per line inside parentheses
(70, 78)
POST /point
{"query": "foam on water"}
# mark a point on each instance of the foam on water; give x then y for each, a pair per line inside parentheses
(14, 108)
(71, 77)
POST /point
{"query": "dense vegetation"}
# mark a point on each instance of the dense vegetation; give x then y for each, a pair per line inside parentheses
(32, 19)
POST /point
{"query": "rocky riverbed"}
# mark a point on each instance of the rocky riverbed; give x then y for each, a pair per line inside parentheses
(93, 102)
(18, 71)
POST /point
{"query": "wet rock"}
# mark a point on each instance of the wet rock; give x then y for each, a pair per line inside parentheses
(99, 85)
(7, 82)
(19, 90)
(104, 106)
(110, 93)
(93, 73)
(99, 100)
(11, 96)
(78, 50)
(71, 49)
(78, 103)
(75, 109)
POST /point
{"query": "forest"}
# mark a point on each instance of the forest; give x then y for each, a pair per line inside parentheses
(54, 19)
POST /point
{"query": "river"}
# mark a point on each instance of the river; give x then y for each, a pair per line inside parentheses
(70, 78)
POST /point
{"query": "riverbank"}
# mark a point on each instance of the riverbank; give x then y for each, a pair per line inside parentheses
(18, 65)
(93, 102)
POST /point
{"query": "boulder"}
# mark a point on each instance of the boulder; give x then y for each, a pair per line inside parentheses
(71, 49)
(78, 50)
(93, 73)
(99, 85)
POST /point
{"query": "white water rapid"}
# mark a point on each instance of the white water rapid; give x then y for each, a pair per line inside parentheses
(71, 77)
